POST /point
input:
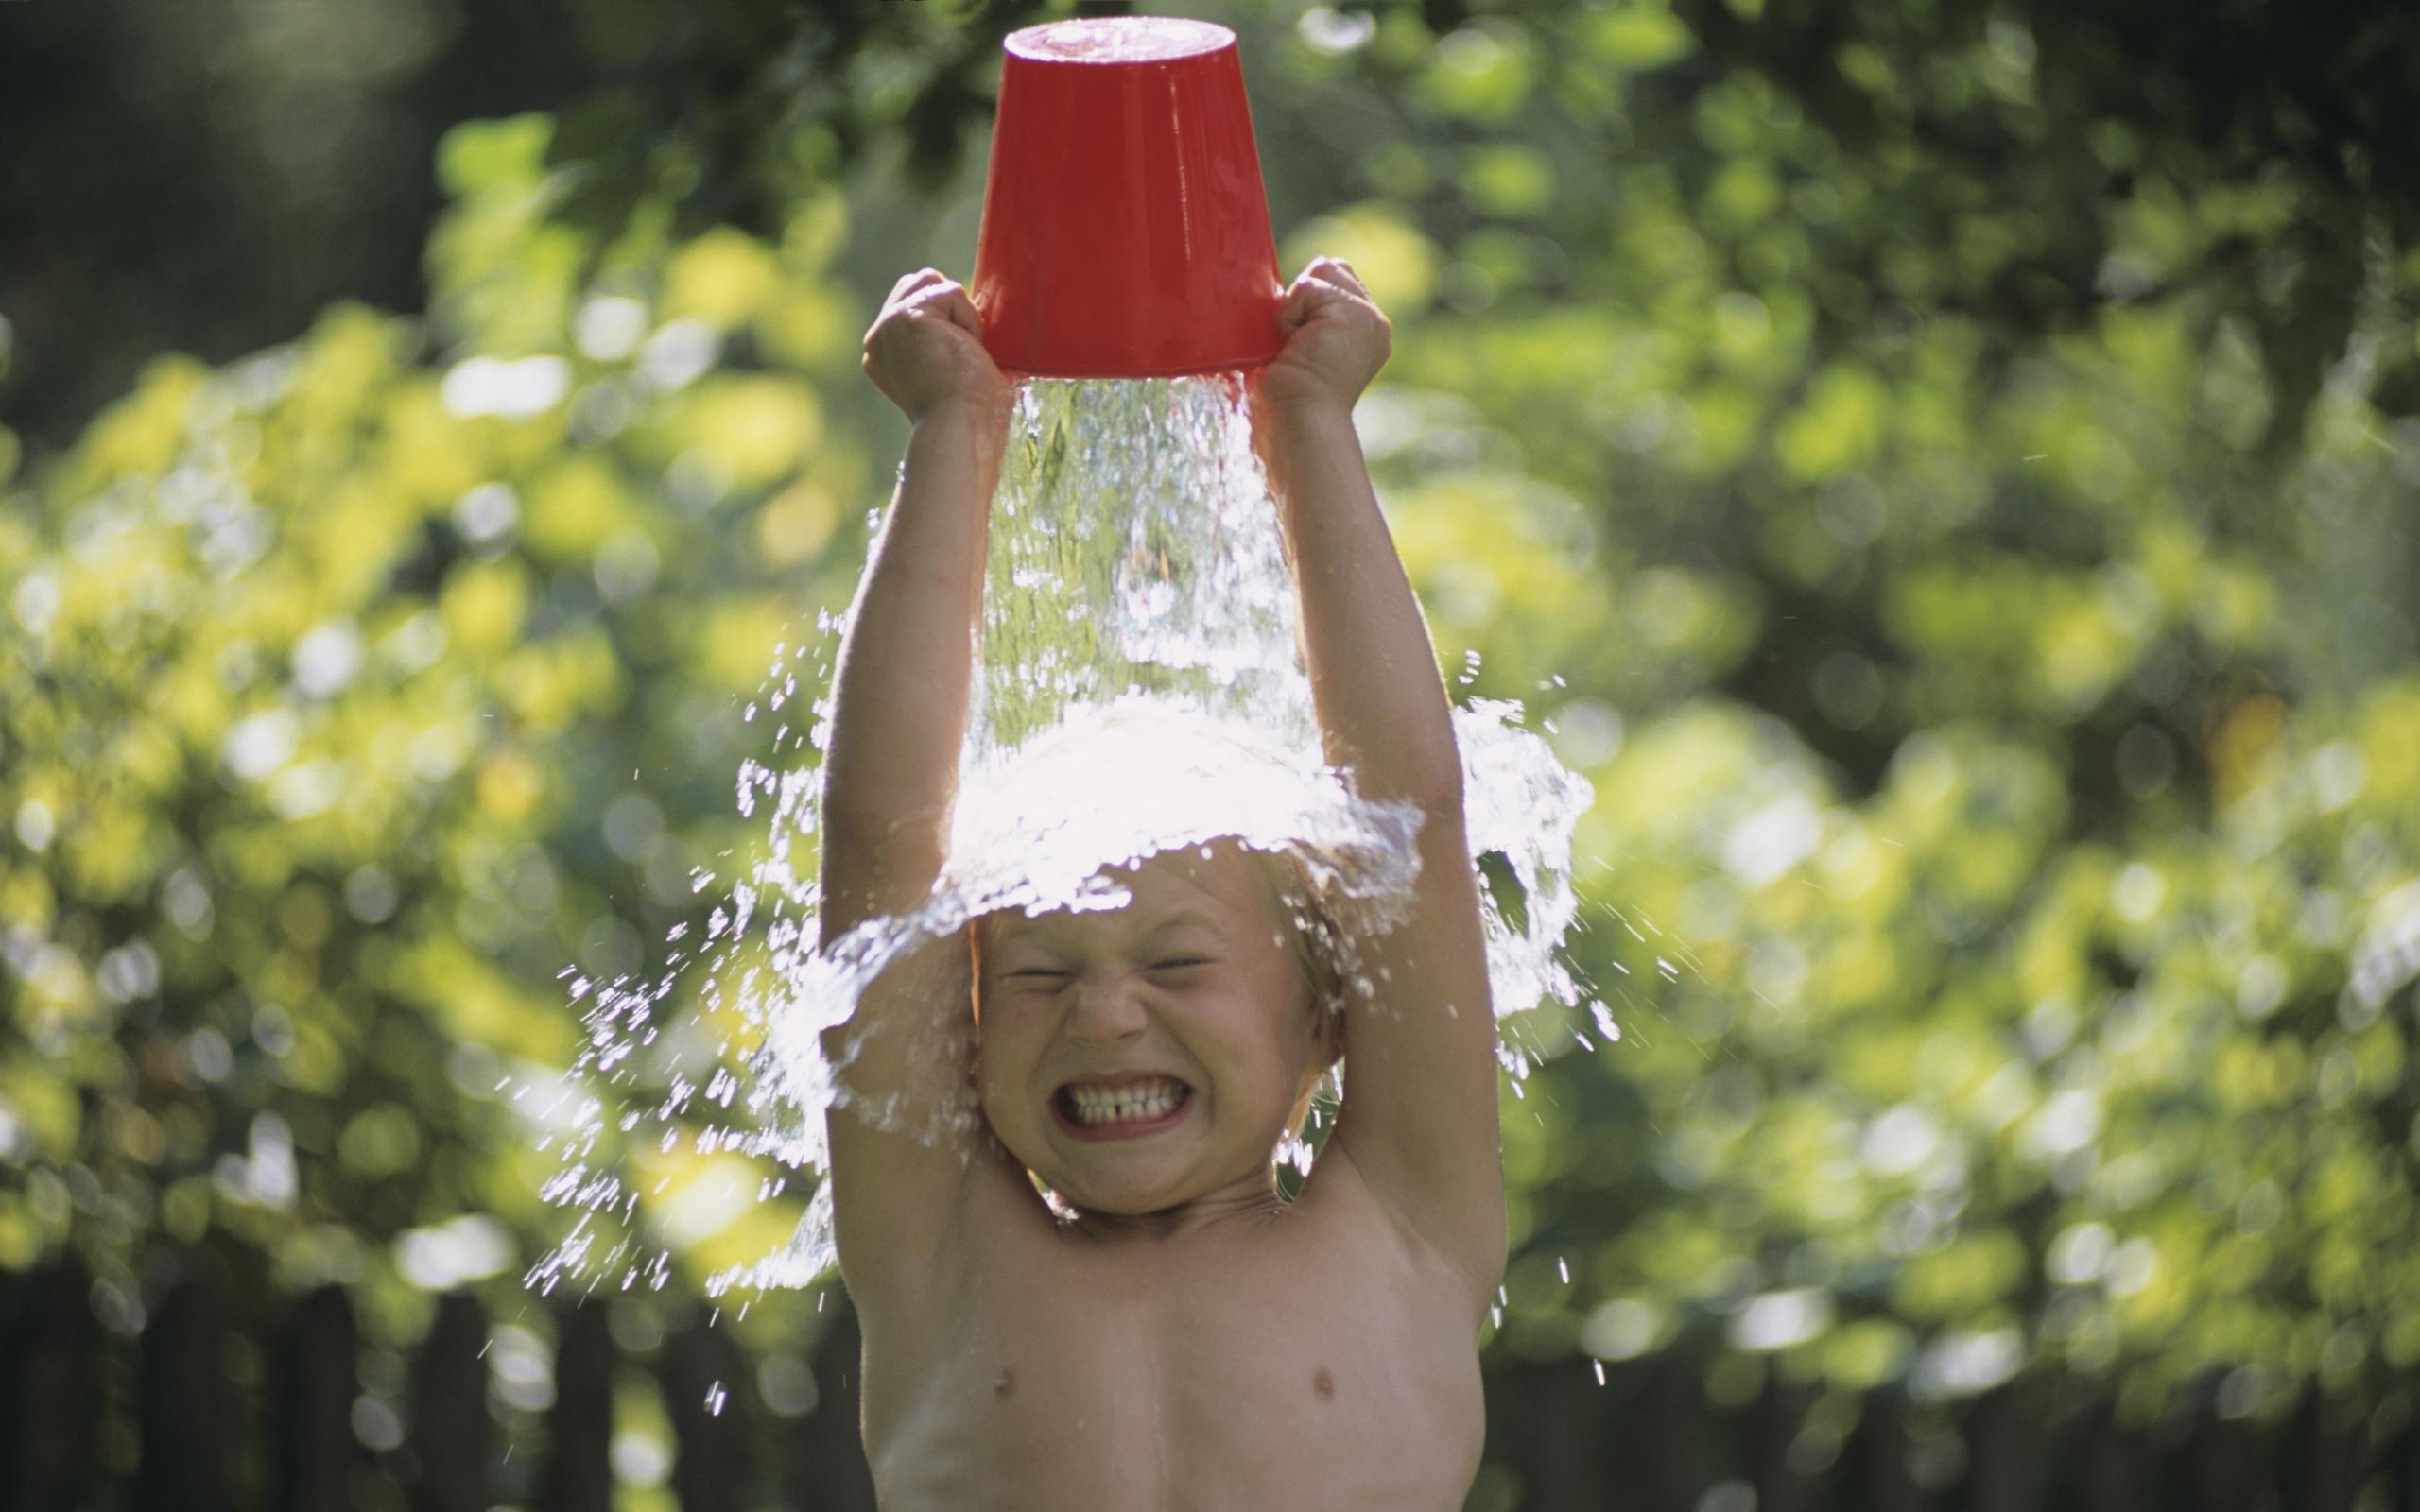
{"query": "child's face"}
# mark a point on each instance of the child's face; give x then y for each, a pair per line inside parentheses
(1148, 1058)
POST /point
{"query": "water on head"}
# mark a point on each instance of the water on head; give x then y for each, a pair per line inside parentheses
(1139, 692)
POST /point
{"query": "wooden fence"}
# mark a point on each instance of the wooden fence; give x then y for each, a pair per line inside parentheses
(194, 1416)
(178, 1418)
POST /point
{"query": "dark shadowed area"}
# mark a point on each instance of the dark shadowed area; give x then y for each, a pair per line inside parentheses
(1945, 470)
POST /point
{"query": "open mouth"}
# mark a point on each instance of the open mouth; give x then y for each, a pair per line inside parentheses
(1141, 1106)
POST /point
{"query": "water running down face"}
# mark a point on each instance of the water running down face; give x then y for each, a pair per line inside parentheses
(1148, 1058)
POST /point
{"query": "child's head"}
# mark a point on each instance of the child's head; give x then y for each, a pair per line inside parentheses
(1153, 1055)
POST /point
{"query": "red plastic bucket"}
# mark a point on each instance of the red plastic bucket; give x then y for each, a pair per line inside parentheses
(1125, 230)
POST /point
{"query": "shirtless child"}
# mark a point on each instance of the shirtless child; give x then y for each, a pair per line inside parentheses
(1174, 1335)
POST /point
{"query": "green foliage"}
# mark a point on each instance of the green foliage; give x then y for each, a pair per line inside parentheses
(1944, 478)
(1916, 445)
(353, 697)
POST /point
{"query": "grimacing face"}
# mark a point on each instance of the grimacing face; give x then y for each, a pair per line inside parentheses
(1149, 1057)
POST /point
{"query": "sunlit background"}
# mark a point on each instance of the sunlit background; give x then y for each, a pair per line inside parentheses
(1945, 470)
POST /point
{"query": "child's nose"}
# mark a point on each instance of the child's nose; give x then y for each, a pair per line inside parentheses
(1106, 1008)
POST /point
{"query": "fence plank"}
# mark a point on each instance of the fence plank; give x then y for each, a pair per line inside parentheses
(49, 1351)
(2111, 1471)
(452, 1433)
(183, 1405)
(2003, 1456)
(828, 1471)
(711, 1466)
(2325, 1456)
(1771, 1426)
(313, 1431)
(1661, 1458)
(1874, 1474)
(2225, 1474)
(2400, 1455)
(1548, 1424)
(579, 1427)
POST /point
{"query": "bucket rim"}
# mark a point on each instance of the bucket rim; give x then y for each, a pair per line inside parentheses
(1111, 40)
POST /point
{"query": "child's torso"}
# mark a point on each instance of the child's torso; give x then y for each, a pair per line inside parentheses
(1304, 1360)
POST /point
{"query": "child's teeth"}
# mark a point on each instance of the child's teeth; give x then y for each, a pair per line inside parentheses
(1095, 1106)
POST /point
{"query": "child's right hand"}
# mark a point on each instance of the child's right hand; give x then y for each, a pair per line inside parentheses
(926, 349)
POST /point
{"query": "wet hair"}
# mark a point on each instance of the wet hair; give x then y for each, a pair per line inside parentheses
(1306, 927)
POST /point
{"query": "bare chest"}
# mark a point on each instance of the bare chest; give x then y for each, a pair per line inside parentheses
(1248, 1371)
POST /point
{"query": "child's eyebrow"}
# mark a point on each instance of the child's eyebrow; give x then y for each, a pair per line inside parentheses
(1034, 932)
(1178, 923)
(1050, 934)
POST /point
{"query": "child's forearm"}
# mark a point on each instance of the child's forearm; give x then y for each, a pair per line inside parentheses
(1380, 699)
(899, 700)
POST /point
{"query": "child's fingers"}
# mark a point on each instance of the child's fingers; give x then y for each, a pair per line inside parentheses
(1295, 307)
(954, 302)
(1310, 288)
(903, 299)
(929, 295)
(909, 282)
(1338, 271)
(1311, 299)
(938, 297)
(1327, 282)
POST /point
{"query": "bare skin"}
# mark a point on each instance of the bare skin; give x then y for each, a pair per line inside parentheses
(1173, 1336)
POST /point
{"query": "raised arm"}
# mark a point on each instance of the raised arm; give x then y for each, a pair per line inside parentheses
(891, 771)
(1419, 1115)
(899, 703)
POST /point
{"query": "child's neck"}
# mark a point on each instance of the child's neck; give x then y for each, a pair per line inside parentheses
(1246, 1201)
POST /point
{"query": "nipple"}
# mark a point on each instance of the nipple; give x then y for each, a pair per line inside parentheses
(1005, 1385)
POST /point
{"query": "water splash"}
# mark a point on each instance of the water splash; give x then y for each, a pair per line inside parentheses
(1136, 553)
(1139, 619)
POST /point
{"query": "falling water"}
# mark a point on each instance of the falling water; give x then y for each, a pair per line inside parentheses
(1140, 688)
(1135, 554)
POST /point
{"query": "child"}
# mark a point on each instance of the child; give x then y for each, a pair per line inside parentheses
(1169, 1332)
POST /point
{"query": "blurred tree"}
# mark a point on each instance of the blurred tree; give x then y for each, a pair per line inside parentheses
(1943, 471)
(207, 179)
(204, 179)
(1952, 463)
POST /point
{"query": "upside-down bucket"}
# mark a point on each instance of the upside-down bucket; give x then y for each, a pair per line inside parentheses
(1125, 230)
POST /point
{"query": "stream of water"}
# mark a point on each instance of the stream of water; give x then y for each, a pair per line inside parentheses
(1139, 690)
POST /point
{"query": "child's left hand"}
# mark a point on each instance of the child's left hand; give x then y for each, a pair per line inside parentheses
(1337, 339)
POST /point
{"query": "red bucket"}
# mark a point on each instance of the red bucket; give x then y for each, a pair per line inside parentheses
(1125, 230)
